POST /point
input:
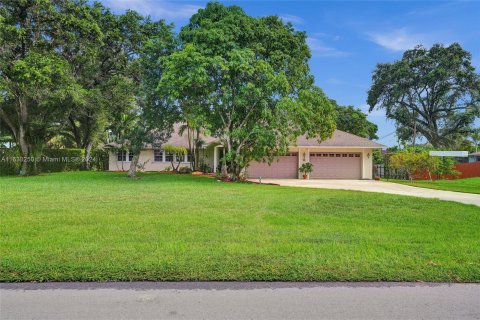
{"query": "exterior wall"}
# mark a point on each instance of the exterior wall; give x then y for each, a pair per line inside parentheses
(146, 157)
(207, 155)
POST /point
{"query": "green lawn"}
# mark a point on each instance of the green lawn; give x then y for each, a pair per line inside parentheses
(102, 226)
(469, 185)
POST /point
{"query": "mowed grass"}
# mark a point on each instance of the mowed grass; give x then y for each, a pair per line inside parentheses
(469, 185)
(87, 226)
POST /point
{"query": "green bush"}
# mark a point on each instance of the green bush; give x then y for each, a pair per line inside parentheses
(99, 160)
(184, 170)
(58, 160)
(52, 160)
(9, 161)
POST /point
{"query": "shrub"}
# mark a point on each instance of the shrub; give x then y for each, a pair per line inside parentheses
(51, 160)
(414, 161)
(57, 160)
(8, 164)
(185, 170)
(99, 160)
(178, 152)
(205, 168)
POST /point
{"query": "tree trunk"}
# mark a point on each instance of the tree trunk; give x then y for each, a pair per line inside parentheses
(88, 153)
(224, 165)
(23, 150)
(132, 171)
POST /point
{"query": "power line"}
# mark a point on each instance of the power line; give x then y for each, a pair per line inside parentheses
(388, 135)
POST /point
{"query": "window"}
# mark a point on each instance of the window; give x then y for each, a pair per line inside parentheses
(189, 157)
(122, 155)
(325, 155)
(350, 155)
(130, 156)
(158, 155)
(331, 155)
(357, 155)
(338, 155)
(344, 155)
(168, 156)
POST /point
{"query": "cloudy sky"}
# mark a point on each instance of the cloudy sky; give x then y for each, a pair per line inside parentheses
(348, 38)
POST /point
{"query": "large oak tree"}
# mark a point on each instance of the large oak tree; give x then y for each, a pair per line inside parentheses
(433, 93)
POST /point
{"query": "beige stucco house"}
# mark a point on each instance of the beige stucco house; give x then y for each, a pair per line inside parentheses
(343, 156)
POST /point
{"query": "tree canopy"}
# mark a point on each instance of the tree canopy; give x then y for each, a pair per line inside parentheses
(37, 39)
(354, 121)
(433, 93)
(248, 80)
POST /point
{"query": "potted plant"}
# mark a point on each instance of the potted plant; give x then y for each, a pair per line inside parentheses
(305, 169)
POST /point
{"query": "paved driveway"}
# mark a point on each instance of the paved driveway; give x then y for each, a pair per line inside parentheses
(379, 186)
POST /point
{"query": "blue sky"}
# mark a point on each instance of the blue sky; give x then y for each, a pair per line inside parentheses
(348, 38)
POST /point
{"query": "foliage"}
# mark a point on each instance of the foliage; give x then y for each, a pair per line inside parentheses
(434, 93)
(205, 168)
(226, 232)
(50, 160)
(247, 81)
(178, 154)
(9, 167)
(306, 168)
(184, 170)
(100, 159)
(377, 157)
(36, 78)
(446, 167)
(59, 160)
(354, 121)
(475, 138)
(414, 161)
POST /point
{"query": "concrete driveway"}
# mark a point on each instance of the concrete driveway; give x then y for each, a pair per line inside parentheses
(379, 186)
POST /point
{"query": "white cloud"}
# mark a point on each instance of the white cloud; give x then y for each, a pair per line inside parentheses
(320, 49)
(157, 9)
(399, 39)
(291, 18)
(334, 81)
(327, 36)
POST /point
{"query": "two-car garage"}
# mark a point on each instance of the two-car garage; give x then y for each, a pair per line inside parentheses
(326, 165)
(338, 165)
(342, 156)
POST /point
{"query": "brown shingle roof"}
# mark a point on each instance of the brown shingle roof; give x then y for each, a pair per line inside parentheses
(340, 139)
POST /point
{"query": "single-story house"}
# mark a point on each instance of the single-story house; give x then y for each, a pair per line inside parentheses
(474, 157)
(343, 156)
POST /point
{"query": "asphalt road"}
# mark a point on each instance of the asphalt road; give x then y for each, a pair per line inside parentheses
(236, 300)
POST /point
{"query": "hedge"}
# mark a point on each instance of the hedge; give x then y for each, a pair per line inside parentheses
(52, 160)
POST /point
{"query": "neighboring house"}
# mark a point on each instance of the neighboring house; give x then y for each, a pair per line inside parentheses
(343, 156)
(474, 157)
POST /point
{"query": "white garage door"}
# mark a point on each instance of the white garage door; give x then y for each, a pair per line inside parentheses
(336, 165)
(285, 168)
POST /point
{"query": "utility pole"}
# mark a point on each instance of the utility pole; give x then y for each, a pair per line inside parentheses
(414, 130)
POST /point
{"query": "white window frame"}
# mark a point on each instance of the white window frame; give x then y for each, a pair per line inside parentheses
(124, 155)
(162, 155)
